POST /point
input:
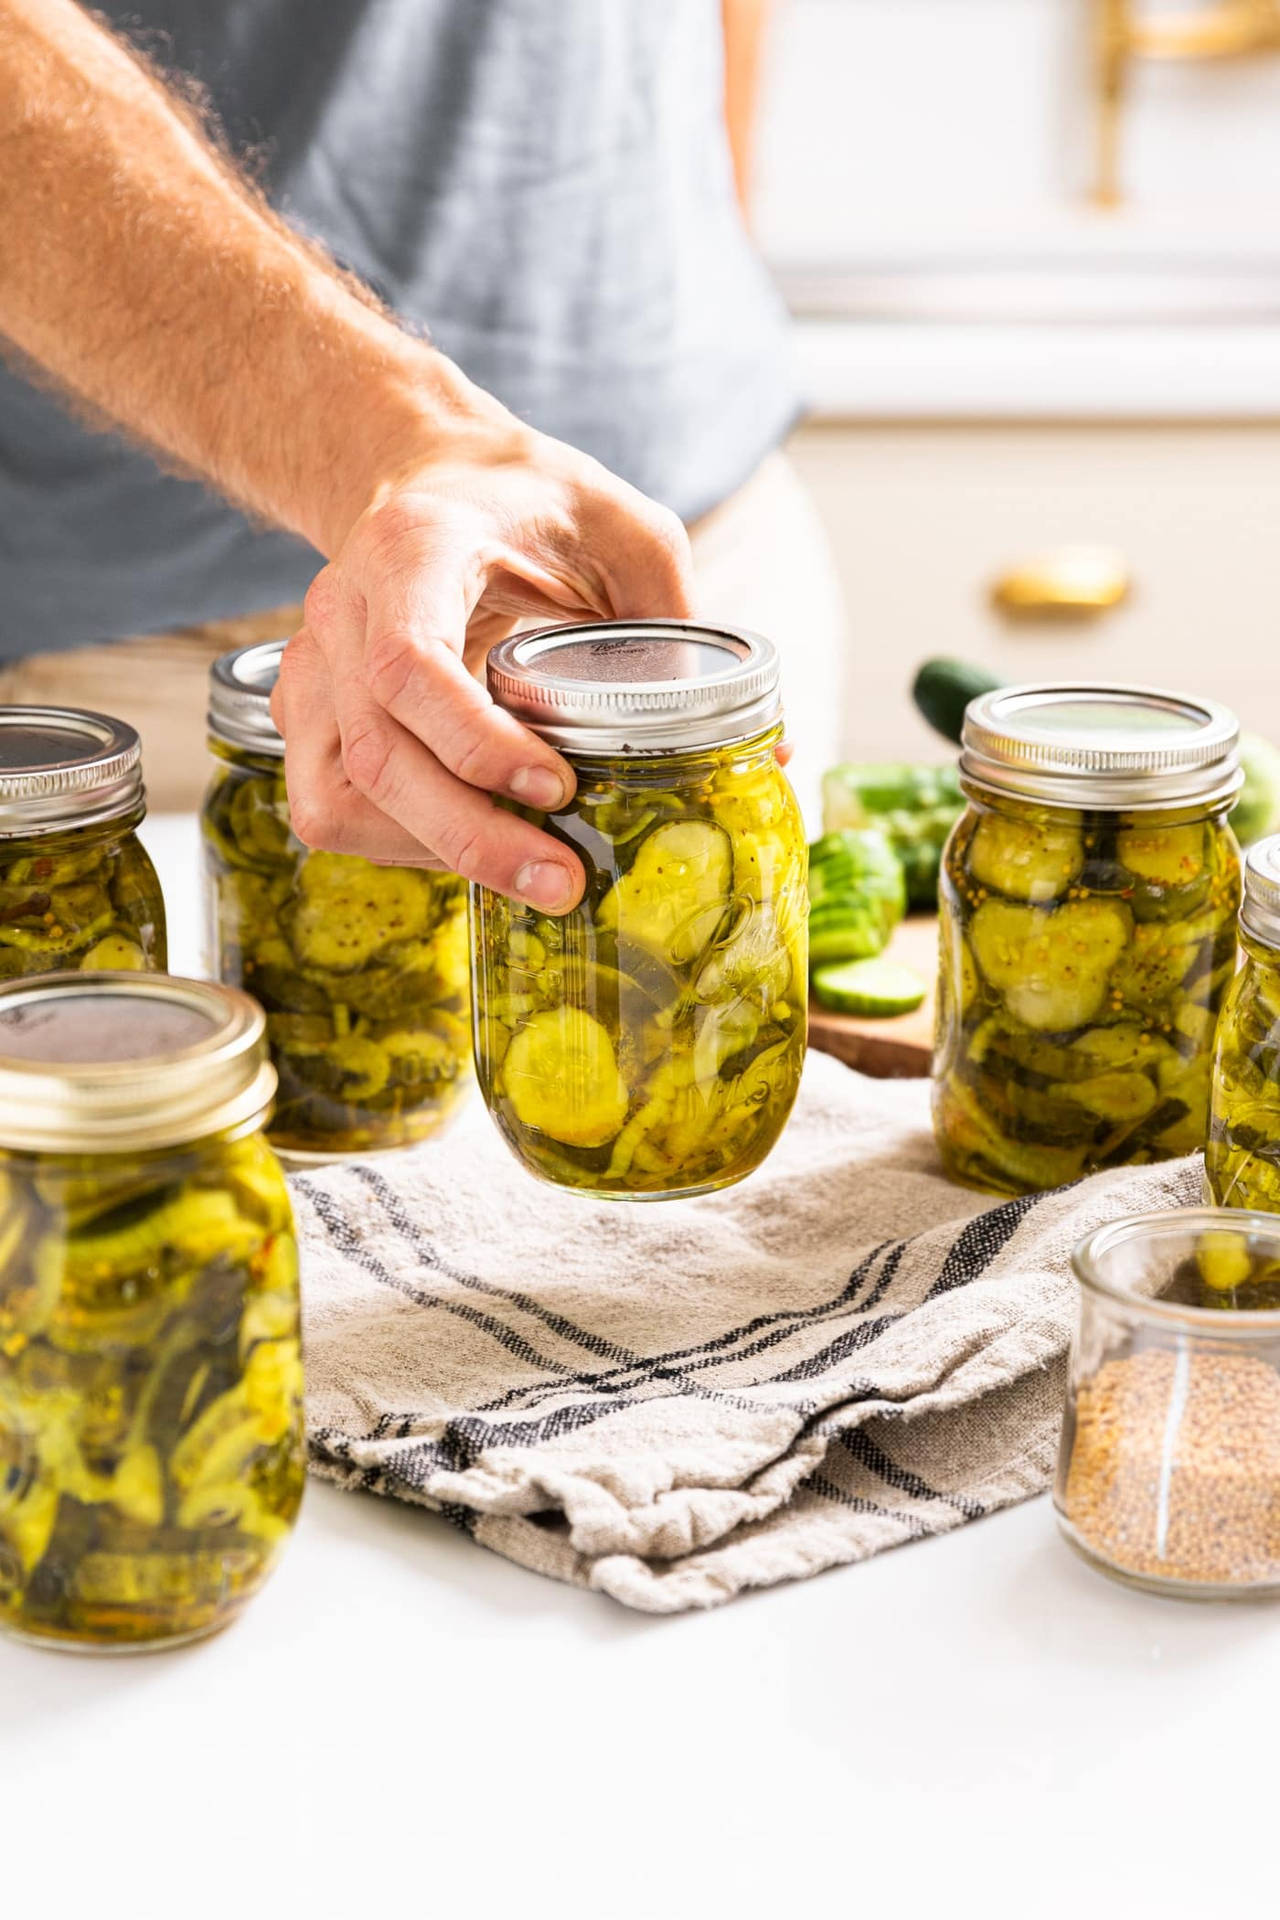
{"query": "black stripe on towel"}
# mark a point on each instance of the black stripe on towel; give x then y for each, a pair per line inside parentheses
(977, 1244)
(859, 1445)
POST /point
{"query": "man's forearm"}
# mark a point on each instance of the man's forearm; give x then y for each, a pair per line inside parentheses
(144, 277)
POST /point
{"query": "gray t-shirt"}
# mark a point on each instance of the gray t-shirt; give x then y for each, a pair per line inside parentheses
(545, 184)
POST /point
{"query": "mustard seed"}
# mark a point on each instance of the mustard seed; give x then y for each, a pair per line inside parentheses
(1175, 1467)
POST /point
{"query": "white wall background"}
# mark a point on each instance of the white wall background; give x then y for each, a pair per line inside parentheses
(908, 132)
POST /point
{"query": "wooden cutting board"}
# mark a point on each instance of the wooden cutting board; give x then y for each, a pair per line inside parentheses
(899, 1048)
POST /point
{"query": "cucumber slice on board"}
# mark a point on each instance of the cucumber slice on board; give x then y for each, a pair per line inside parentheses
(876, 987)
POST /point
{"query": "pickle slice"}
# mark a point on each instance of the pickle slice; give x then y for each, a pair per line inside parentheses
(1030, 860)
(561, 1076)
(114, 953)
(1050, 967)
(979, 1152)
(675, 894)
(1168, 856)
(348, 909)
(1122, 1097)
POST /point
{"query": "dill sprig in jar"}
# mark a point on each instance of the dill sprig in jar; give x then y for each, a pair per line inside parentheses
(649, 1043)
(151, 1438)
(77, 889)
(1087, 932)
(363, 969)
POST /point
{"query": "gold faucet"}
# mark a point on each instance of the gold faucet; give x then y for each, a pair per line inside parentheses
(1124, 31)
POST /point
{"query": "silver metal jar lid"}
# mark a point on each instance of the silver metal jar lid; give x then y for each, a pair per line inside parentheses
(1085, 744)
(119, 1062)
(638, 686)
(240, 688)
(1260, 908)
(63, 767)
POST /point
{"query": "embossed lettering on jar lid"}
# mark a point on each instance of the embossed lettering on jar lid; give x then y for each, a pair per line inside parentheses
(1260, 909)
(1085, 744)
(638, 686)
(64, 767)
(121, 1062)
(240, 689)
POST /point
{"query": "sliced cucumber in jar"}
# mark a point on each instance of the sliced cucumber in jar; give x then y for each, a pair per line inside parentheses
(1025, 859)
(1166, 856)
(981, 1153)
(1050, 967)
(561, 1076)
(1124, 1098)
(674, 895)
(1165, 872)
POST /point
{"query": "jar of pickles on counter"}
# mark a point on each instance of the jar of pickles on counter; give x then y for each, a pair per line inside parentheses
(151, 1436)
(1242, 1158)
(362, 969)
(1088, 901)
(76, 887)
(650, 1042)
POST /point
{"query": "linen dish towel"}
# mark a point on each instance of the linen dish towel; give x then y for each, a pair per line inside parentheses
(674, 1402)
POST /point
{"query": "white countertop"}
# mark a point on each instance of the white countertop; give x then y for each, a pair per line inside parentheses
(980, 371)
(405, 1723)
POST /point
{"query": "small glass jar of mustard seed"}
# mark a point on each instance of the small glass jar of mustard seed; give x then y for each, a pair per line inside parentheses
(1087, 909)
(1169, 1464)
(76, 887)
(151, 1433)
(649, 1043)
(1242, 1157)
(363, 969)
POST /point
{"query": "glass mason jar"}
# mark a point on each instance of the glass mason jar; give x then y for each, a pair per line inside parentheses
(649, 1043)
(76, 888)
(1169, 1466)
(1087, 933)
(1242, 1156)
(151, 1437)
(363, 969)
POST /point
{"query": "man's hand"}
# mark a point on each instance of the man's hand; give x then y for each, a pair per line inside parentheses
(156, 287)
(393, 746)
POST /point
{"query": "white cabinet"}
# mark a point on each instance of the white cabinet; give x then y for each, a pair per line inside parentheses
(923, 517)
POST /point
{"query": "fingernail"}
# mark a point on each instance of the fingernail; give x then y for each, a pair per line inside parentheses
(545, 884)
(539, 786)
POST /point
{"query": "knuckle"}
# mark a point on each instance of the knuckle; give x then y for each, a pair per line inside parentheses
(463, 847)
(292, 664)
(393, 519)
(390, 533)
(470, 759)
(320, 605)
(390, 665)
(317, 820)
(671, 542)
(366, 757)
(293, 669)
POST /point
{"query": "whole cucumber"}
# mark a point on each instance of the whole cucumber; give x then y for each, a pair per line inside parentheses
(943, 688)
